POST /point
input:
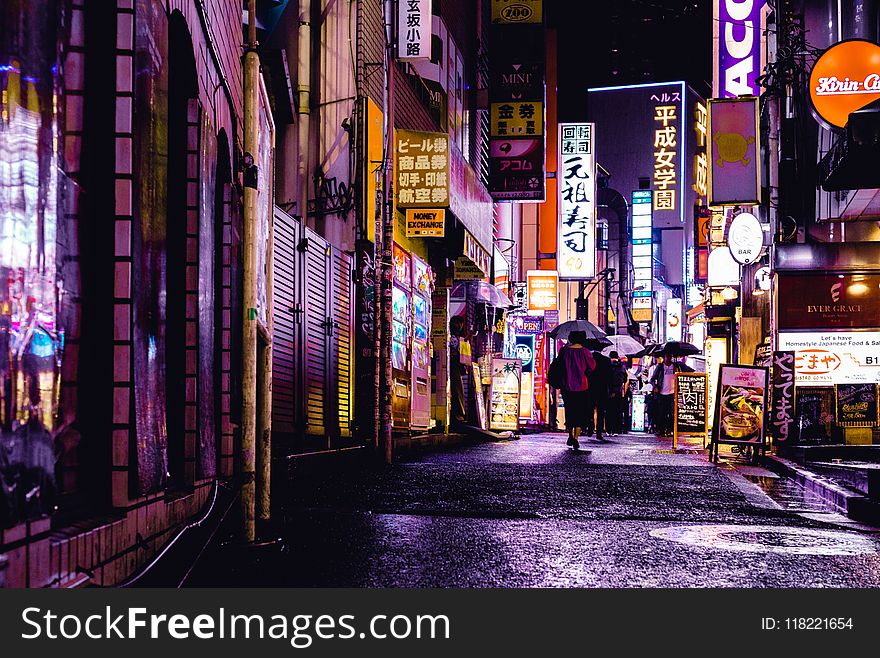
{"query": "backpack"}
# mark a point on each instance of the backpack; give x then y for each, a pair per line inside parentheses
(556, 372)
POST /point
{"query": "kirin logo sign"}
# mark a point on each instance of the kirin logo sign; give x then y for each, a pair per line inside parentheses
(845, 78)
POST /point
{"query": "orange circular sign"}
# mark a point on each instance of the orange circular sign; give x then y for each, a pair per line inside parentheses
(845, 78)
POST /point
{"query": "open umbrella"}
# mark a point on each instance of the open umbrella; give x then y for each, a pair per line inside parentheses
(647, 350)
(678, 348)
(596, 338)
(623, 344)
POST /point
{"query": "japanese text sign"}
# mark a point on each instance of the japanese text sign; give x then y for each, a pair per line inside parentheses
(517, 119)
(543, 290)
(666, 149)
(414, 29)
(421, 169)
(576, 244)
(782, 396)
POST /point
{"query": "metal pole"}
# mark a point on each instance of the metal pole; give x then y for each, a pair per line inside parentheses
(387, 237)
(249, 346)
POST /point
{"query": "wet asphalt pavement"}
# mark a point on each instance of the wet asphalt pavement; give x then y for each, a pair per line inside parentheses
(531, 513)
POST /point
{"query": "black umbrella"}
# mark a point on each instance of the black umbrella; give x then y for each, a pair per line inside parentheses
(648, 350)
(596, 338)
(678, 348)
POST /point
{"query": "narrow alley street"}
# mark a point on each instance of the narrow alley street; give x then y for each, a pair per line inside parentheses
(531, 513)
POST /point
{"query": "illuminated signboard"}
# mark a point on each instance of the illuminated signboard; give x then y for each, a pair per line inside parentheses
(642, 256)
(576, 242)
(421, 170)
(674, 319)
(414, 29)
(543, 290)
(701, 160)
(517, 11)
(425, 223)
(666, 153)
(734, 155)
(516, 119)
(827, 358)
(738, 29)
(845, 78)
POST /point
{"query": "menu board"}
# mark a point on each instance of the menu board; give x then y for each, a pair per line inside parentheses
(782, 396)
(855, 405)
(763, 354)
(740, 405)
(813, 413)
(504, 394)
(691, 415)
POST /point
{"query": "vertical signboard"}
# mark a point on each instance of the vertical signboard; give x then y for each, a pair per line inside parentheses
(740, 405)
(576, 243)
(421, 169)
(517, 69)
(734, 152)
(691, 411)
(737, 52)
(525, 352)
(543, 290)
(674, 319)
(414, 29)
(782, 396)
(642, 256)
(666, 179)
(504, 394)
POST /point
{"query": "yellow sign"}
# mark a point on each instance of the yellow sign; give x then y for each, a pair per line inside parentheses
(465, 270)
(425, 223)
(666, 149)
(421, 169)
(543, 293)
(517, 11)
(517, 119)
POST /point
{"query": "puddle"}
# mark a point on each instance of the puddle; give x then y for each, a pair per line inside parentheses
(769, 539)
(790, 495)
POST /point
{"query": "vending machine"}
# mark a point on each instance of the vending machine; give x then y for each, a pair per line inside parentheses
(422, 289)
(401, 338)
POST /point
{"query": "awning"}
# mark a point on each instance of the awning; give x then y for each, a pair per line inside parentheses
(696, 311)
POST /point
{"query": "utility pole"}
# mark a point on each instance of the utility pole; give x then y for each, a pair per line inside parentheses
(385, 252)
(247, 456)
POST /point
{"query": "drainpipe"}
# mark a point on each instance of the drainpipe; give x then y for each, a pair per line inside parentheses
(264, 399)
(303, 105)
(247, 455)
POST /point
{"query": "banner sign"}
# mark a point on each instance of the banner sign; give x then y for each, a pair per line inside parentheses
(517, 74)
(543, 290)
(691, 411)
(738, 29)
(828, 301)
(845, 78)
(576, 183)
(782, 397)
(855, 405)
(504, 394)
(740, 403)
(734, 152)
(425, 223)
(414, 29)
(477, 379)
(421, 169)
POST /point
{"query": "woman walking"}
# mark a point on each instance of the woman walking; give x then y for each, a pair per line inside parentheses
(577, 362)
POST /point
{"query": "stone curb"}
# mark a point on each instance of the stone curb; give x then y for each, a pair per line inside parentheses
(854, 504)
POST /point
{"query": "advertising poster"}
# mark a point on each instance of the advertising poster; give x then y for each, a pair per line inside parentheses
(828, 358)
(782, 397)
(740, 403)
(478, 391)
(855, 405)
(638, 412)
(504, 394)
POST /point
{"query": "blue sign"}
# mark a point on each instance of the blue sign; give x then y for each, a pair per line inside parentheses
(525, 351)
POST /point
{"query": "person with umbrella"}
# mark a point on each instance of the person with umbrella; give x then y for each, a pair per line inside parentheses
(576, 362)
(663, 384)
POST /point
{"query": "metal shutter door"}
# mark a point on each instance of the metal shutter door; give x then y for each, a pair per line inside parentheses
(284, 341)
(341, 342)
(315, 333)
